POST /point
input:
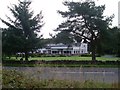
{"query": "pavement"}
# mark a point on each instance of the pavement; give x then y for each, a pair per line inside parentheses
(107, 75)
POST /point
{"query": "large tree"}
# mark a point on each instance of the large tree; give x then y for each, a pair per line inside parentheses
(118, 43)
(114, 46)
(86, 21)
(110, 44)
(23, 28)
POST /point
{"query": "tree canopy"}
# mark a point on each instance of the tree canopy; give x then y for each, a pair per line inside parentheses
(63, 37)
(85, 20)
(23, 29)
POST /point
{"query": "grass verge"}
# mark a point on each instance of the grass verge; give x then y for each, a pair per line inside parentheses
(78, 58)
(61, 65)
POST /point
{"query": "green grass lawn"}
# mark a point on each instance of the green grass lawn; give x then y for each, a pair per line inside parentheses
(76, 58)
(70, 58)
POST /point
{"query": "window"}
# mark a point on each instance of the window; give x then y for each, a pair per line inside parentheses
(74, 52)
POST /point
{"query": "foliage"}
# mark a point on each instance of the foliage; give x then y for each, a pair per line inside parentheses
(118, 43)
(85, 55)
(85, 21)
(44, 42)
(23, 29)
(11, 41)
(110, 44)
(63, 37)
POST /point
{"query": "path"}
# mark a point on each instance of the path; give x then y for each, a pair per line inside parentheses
(109, 75)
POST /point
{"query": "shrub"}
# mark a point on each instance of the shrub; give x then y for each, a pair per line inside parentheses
(85, 55)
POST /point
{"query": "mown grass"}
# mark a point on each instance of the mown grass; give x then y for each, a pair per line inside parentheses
(70, 58)
(73, 58)
(16, 79)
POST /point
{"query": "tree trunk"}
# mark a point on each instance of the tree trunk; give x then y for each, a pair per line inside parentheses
(93, 54)
(93, 47)
(26, 49)
(26, 56)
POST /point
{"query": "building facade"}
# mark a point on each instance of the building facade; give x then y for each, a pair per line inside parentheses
(62, 49)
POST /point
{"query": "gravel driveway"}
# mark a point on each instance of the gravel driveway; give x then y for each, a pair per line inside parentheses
(108, 75)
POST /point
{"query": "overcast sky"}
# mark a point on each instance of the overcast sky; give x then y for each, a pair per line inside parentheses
(51, 18)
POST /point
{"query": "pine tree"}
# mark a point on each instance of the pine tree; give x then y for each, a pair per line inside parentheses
(86, 21)
(24, 28)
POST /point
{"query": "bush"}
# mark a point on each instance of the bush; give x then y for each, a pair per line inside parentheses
(48, 55)
(85, 55)
(51, 55)
(98, 55)
(89, 55)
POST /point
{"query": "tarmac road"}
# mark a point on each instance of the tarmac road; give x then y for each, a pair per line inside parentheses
(107, 75)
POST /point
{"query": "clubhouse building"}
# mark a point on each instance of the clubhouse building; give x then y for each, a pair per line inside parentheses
(62, 49)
